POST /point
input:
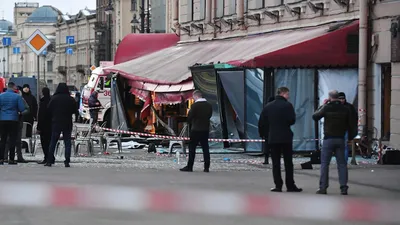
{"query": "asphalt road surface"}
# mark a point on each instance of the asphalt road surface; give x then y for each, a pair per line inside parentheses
(376, 182)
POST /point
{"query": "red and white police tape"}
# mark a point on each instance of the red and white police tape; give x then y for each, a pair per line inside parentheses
(292, 206)
(186, 138)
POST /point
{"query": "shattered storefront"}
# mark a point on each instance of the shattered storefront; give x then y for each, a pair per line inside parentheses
(254, 66)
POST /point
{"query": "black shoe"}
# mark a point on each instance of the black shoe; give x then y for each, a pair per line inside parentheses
(276, 189)
(21, 161)
(48, 164)
(321, 192)
(12, 162)
(206, 170)
(294, 189)
(343, 190)
(186, 169)
(266, 163)
(67, 165)
(42, 162)
(1, 162)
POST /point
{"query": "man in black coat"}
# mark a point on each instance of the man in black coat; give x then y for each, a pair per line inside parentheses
(261, 131)
(354, 119)
(275, 122)
(33, 107)
(44, 124)
(61, 108)
(199, 124)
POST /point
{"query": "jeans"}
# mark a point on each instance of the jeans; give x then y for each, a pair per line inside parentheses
(328, 147)
(8, 131)
(197, 137)
(55, 136)
(277, 150)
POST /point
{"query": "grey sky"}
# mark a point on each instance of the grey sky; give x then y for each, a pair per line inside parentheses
(65, 6)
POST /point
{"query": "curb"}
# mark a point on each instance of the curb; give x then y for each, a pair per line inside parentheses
(292, 206)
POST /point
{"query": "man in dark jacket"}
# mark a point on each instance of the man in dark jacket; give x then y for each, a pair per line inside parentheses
(44, 124)
(354, 119)
(61, 108)
(261, 131)
(11, 105)
(199, 123)
(337, 121)
(275, 122)
(94, 108)
(33, 107)
(77, 100)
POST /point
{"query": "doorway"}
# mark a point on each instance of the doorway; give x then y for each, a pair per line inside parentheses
(386, 100)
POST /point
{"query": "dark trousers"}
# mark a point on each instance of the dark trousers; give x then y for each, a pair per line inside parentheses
(276, 151)
(55, 136)
(197, 137)
(266, 151)
(18, 143)
(95, 117)
(8, 131)
(45, 139)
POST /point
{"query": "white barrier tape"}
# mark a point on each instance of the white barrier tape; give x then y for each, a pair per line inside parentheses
(118, 198)
(186, 138)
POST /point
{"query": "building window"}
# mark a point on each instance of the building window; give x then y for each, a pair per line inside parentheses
(133, 5)
(220, 8)
(49, 66)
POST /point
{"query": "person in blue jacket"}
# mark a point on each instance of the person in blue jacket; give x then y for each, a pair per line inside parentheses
(11, 106)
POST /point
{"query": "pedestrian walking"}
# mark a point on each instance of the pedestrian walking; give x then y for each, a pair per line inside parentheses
(276, 119)
(11, 105)
(94, 108)
(354, 119)
(44, 124)
(261, 131)
(61, 108)
(199, 125)
(33, 107)
(337, 121)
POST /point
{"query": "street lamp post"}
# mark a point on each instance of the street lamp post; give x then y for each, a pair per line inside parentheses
(142, 17)
(148, 17)
(109, 10)
(22, 65)
(4, 66)
(44, 68)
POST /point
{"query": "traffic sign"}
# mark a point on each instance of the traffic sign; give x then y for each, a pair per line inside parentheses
(70, 40)
(69, 51)
(16, 50)
(44, 52)
(92, 68)
(37, 42)
(6, 41)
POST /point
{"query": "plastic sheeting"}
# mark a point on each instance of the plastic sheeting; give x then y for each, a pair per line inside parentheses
(233, 83)
(343, 80)
(118, 116)
(301, 85)
(254, 105)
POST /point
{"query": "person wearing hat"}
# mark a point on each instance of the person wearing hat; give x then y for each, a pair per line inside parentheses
(353, 112)
(33, 107)
(337, 121)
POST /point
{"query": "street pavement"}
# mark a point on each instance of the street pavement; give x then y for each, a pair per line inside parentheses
(241, 173)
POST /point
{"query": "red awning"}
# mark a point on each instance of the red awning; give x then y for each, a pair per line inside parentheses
(137, 45)
(172, 98)
(304, 47)
(327, 50)
(164, 88)
(141, 94)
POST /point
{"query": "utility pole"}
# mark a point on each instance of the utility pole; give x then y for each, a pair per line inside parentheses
(148, 17)
(142, 17)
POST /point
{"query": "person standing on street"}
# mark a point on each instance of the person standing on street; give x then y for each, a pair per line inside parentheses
(44, 124)
(354, 119)
(275, 120)
(199, 125)
(11, 105)
(18, 142)
(337, 121)
(261, 131)
(33, 107)
(61, 108)
(77, 100)
(94, 108)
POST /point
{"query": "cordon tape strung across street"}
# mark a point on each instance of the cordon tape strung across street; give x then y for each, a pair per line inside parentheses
(285, 205)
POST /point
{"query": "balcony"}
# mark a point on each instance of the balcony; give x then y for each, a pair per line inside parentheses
(62, 70)
(81, 68)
